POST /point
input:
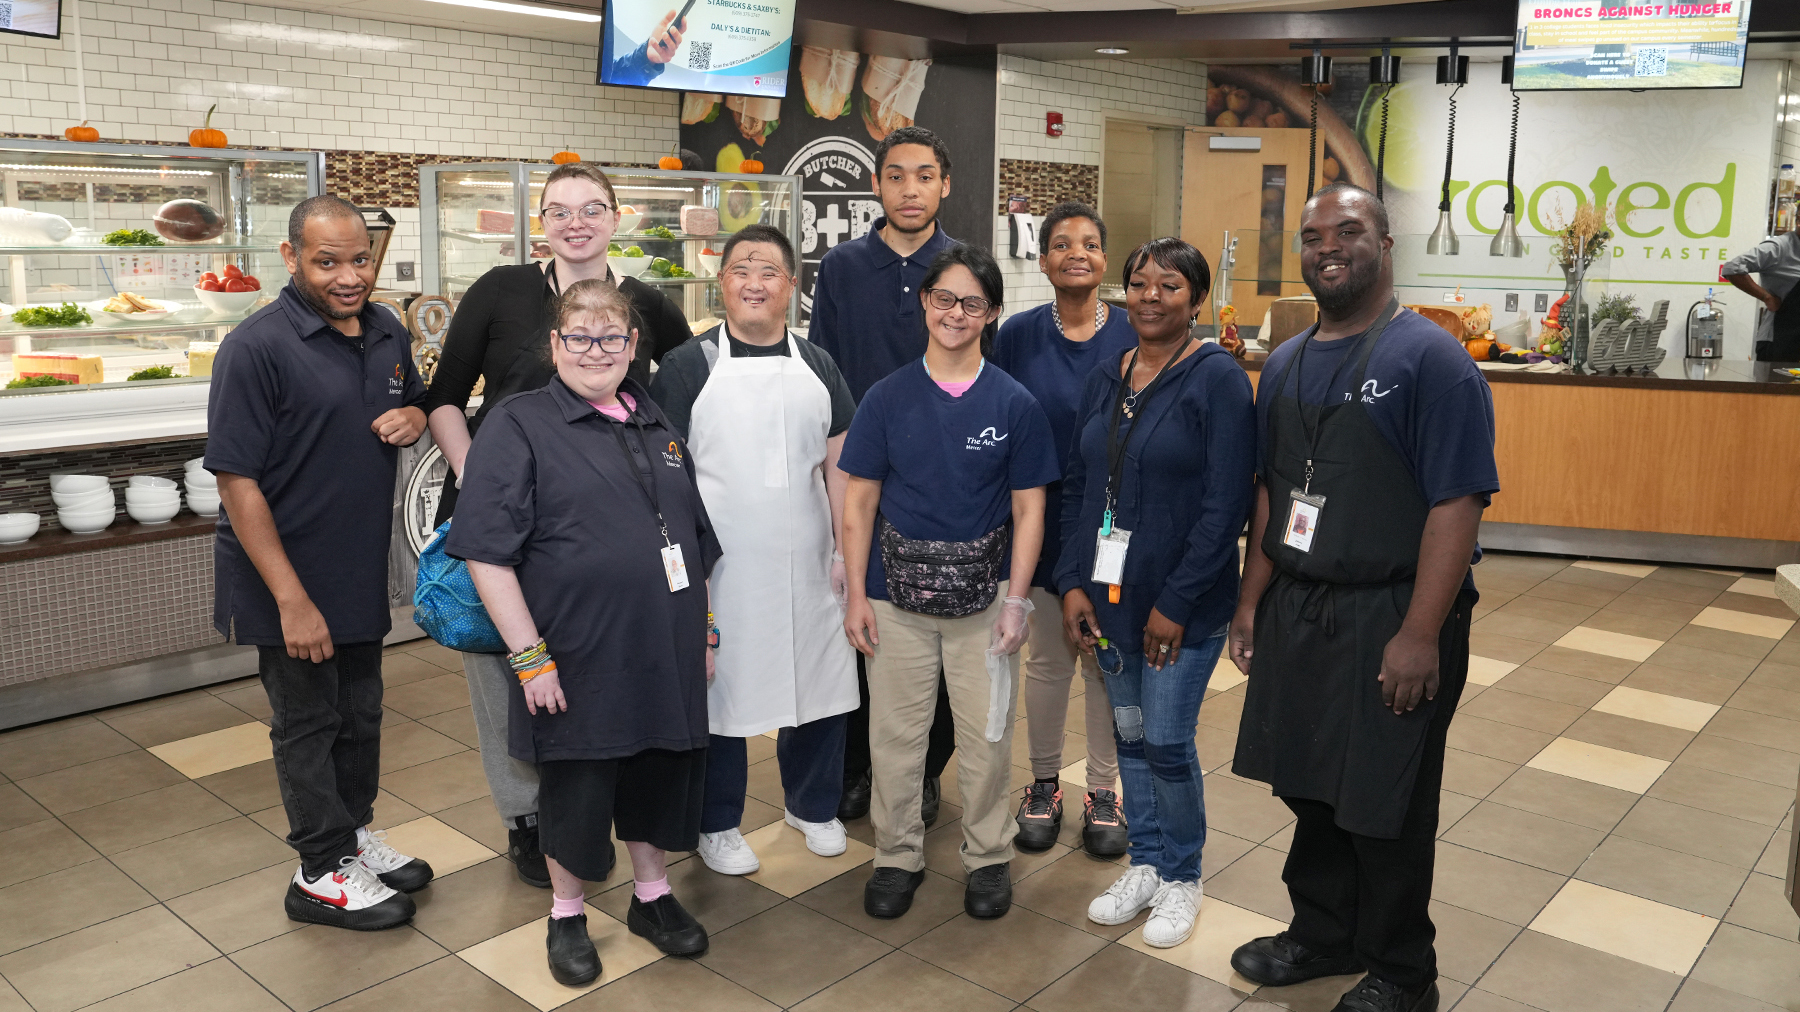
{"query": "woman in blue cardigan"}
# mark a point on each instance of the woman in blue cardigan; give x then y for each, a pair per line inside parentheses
(1158, 486)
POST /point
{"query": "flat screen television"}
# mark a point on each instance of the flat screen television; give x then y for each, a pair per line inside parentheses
(732, 47)
(42, 18)
(1582, 45)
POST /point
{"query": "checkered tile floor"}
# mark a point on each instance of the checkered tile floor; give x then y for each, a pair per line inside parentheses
(1616, 815)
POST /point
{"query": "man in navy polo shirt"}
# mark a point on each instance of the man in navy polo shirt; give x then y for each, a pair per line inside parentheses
(865, 313)
(311, 398)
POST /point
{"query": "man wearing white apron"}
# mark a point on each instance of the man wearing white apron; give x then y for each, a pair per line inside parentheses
(765, 414)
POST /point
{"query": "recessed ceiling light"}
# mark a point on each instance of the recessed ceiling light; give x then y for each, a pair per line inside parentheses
(1111, 51)
(547, 12)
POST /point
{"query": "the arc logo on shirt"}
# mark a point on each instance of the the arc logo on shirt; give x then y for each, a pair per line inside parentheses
(397, 382)
(989, 437)
(672, 454)
(1370, 391)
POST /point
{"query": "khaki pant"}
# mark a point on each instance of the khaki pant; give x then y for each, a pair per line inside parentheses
(903, 678)
(1049, 667)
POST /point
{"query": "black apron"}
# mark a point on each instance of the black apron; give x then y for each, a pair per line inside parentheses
(1785, 346)
(1314, 725)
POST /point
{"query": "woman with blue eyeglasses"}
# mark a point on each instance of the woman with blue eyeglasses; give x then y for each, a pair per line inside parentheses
(497, 336)
(585, 533)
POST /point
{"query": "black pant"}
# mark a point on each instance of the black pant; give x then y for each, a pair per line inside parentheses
(1363, 894)
(811, 758)
(939, 747)
(326, 728)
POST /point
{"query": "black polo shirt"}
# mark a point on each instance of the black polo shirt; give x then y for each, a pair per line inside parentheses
(291, 405)
(558, 492)
(865, 309)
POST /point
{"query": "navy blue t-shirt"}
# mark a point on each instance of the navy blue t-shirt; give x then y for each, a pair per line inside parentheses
(1055, 369)
(1426, 397)
(865, 309)
(948, 465)
(291, 405)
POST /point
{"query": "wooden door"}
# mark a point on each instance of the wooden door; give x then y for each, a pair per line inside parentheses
(1231, 190)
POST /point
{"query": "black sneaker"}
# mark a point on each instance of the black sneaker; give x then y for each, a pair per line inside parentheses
(1103, 832)
(857, 795)
(526, 854)
(668, 926)
(890, 892)
(1040, 817)
(351, 897)
(989, 892)
(1376, 995)
(573, 959)
(1279, 961)
(932, 799)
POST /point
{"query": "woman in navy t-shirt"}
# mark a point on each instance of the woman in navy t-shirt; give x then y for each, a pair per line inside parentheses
(948, 459)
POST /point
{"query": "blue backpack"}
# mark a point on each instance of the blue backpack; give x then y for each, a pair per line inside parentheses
(446, 605)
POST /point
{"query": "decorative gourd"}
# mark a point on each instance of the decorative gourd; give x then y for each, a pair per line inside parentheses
(564, 158)
(669, 162)
(1481, 349)
(752, 165)
(82, 132)
(206, 136)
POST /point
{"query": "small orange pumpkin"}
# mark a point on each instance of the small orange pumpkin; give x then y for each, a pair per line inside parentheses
(564, 158)
(669, 162)
(752, 165)
(206, 136)
(82, 132)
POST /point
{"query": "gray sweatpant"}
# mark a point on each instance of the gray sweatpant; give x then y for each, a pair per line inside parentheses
(513, 782)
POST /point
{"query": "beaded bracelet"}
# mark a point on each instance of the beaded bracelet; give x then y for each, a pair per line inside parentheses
(530, 657)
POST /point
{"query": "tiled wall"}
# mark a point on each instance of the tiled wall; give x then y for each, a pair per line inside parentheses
(376, 94)
(1047, 183)
(1085, 92)
(25, 480)
(110, 606)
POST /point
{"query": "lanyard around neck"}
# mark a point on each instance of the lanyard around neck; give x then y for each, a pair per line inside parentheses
(1115, 447)
(1368, 337)
(649, 486)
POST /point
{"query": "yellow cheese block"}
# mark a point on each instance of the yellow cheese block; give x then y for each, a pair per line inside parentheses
(73, 368)
(200, 357)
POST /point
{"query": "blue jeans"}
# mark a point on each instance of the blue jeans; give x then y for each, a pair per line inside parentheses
(1154, 713)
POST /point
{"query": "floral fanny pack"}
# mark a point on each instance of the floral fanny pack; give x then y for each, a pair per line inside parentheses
(948, 579)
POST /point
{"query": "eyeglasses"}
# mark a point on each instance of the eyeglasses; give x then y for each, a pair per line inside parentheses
(943, 298)
(578, 344)
(560, 216)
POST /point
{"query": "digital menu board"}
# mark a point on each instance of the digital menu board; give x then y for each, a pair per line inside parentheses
(42, 18)
(1631, 46)
(729, 47)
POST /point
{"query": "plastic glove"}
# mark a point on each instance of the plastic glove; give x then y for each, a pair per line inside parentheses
(840, 581)
(1011, 628)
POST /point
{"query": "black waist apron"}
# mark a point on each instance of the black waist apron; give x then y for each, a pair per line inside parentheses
(1786, 330)
(1314, 725)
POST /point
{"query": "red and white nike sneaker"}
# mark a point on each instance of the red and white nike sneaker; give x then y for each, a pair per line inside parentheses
(351, 897)
(394, 869)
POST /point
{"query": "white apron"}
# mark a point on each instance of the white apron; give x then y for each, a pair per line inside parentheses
(757, 435)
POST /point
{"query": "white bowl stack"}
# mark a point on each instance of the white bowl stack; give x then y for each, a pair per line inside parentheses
(152, 500)
(202, 489)
(85, 503)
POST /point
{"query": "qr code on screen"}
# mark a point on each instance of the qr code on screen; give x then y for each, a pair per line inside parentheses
(6, 13)
(699, 56)
(1652, 61)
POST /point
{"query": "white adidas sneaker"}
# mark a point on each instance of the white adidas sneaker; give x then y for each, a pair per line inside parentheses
(727, 853)
(1177, 907)
(351, 897)
(826, 839)
(1126, 897)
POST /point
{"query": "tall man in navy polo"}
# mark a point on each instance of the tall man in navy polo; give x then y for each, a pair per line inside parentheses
(866, 314)
(311, 399)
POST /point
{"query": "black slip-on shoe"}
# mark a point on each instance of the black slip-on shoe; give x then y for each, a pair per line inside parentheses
(857, 795)
(1039, 818)
(573, 960)
(1103, 830)
(1279, 961)
(933, 798)
(527, 855)
(890, 892)
(1376, 995)
(989, 892)
(667, 925)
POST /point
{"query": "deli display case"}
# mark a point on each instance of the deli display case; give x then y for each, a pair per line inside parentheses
(105, 251)
(476, 216)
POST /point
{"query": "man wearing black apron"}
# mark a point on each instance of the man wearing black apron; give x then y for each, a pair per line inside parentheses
(1776, 263)
(1376, 437)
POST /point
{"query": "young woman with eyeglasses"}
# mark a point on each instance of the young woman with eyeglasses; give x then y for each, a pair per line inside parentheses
(586, 536)
(948, 458)
(497, 336)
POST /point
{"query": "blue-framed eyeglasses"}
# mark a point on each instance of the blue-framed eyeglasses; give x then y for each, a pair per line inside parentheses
(578, 344)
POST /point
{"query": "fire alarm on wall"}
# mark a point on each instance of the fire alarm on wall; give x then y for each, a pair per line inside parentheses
(1053, 124)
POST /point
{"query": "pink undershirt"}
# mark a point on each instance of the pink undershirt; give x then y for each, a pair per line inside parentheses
(620, 411)
(955, 389)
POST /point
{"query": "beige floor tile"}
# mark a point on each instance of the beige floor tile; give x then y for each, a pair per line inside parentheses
(401, 668)
(1254, 883)
(442, 656)
(40, 848)
(1755, 586)
(1744, 622)
(937, 900)
(1151, 983)
(1491, 885)
(412, 743)
(288, 965)
(445, 849)
(1584, 664)
(216, 751)
(789, 868)
(1657, 708)
(1635, 928)
(943, 853)
(1775, 856)
(1555, 685)
(1468, 942)
(716, 901)
(185, 719)
(240, 912)
(1741, 759)
(1685, 684)
(253, 699)
(1487, 670)
(1750, 648)
(1629, 622)
(1697, 996)
(133, 822)
(10, 1000)
(1689, 830)
(665, 986)
(98, 782)
(1243, 809)
(1521, 710)
(248, 789)
(1626, 771)
(478, 903)
(446, 984)
(1220, 929)
(1496, 739)
(1064, 889)
(458, 724)
(1632, 570)
(1755, 728)
(17, 809)
(1666, 876)
(203, 857)
(985, 952)
(69, 900)
(216, 986)
(902, 983)
(428, 696)
(1506, 648)
(476, 820)
(1474, 775)
(1549, 973)
(1477, 1000)
(1628, 734)
(790, 951)
(1713, 791)
(1765, 699)
(65, 746)
(1524, 627)
(440, 783)
(1529, 839)
(1612, 644)
(1577, 801)
(1752, 963)
(1763, 906)
(108, 958)
(1225, 676)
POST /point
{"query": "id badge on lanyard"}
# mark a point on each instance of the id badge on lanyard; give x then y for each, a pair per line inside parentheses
(1110, 546)
(674, 568)
(1303, 519)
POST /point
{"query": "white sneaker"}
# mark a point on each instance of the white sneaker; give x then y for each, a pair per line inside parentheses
(1177, 907)
(726, 853)
(1122, 900)
(826, 839)
(351, 897)
(407, 874)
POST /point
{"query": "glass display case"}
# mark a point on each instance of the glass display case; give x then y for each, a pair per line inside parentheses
(76, 308)
(476, 216)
